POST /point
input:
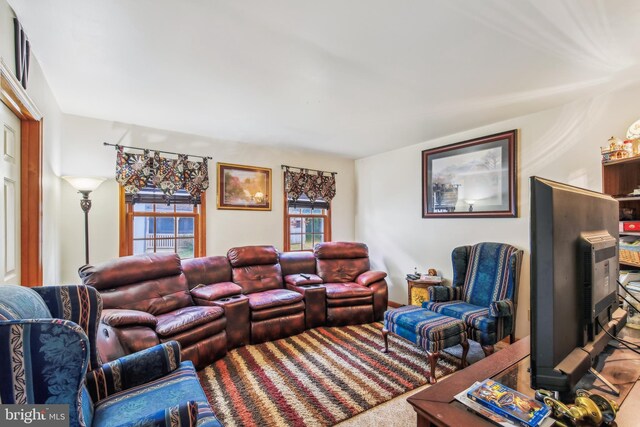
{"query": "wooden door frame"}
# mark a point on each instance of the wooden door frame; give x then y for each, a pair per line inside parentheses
(14, 96)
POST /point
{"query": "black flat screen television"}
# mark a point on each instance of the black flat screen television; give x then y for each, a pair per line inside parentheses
(574, 268)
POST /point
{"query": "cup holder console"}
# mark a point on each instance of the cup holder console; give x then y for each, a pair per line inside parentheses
(231, 298)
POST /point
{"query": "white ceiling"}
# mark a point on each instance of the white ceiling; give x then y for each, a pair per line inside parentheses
(353, 78)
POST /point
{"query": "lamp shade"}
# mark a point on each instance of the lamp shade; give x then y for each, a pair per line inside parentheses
(84, 183)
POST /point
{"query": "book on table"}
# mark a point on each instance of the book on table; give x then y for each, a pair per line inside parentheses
(508, 403)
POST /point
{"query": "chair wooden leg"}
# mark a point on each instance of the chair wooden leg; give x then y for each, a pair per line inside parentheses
(465, 351)
(488, 350)
(433, 360)
(385, 336)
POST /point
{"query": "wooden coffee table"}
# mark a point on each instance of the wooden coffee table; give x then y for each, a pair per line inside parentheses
(436, 405)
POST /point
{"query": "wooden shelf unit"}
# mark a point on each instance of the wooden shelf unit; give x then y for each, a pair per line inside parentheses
(619, 179)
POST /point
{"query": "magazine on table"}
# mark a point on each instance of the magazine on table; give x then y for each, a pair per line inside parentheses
(504, 406)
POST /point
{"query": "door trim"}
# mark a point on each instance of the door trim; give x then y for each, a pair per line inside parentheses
(14, 96)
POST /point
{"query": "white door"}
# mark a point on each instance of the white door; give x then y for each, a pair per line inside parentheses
(9, 196)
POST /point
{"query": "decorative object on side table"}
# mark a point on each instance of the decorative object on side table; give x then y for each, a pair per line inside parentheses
(474, 178)
(244, 187)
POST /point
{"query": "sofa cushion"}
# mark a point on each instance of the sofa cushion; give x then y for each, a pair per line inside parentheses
(473, 315)
(130, 269)
(273, 298)
(302, 279)
(341, 250)
(206, 270)
(186, 318)
(273, 312)
(142, 402)
(347, 290)
(197, 334)
(341, 270)
(347, 302)
(252, 255)
(258, 278)
(488, 274)
(297, 262)
(217, 291)
(116, 318)
(370, 277)
(157, 296)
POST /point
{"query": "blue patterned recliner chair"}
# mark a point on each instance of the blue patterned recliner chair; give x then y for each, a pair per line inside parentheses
(484, 291)
(48, 356)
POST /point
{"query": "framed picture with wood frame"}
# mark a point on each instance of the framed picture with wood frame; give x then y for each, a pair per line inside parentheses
(244, 187)
(471, 179)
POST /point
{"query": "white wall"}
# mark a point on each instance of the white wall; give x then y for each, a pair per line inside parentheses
(40, 92)
(561, 144)
(84, 155)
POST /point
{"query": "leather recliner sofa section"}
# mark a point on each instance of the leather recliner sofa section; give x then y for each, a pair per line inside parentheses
(276, 312)
(147, 301)
(210, 282)
(354, 293)
(214, 304)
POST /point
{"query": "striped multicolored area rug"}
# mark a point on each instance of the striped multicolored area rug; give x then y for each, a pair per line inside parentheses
(318, 378)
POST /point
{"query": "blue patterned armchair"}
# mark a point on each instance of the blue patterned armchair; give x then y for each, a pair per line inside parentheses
(483, 292)
(48, 356)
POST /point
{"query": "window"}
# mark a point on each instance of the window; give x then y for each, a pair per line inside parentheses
(306, 224)
(150, 225)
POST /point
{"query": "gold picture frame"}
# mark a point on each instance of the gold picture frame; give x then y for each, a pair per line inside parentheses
(244, 187)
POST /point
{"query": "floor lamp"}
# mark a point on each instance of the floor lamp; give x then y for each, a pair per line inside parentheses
(84, 187)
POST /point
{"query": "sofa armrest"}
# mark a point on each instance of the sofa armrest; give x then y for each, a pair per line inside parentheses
(502, 308)
(444, 293)
(133, 370)
(302, 279)
(117, 318)
(215, 291)
(369, 277)
(184, 414)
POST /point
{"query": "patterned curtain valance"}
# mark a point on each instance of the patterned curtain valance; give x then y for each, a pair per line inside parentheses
(315, 184)
(135, 171)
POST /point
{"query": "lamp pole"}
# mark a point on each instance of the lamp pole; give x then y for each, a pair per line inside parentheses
(85, 186)
(85, 204)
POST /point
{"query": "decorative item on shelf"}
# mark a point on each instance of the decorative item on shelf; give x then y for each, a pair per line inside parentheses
(616, 150)
(627, 214)
(85, 186)
(634, 130)
(628, 147)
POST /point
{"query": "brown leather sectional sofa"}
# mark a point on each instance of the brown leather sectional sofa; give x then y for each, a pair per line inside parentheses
(214, 304)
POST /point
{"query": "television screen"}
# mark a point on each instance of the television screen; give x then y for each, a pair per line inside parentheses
(574, 268)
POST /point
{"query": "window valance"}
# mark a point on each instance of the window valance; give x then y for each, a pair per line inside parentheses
(315, 184)
(135, 171)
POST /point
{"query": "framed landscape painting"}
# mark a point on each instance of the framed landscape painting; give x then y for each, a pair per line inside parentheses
(244, 187)
(474, 178)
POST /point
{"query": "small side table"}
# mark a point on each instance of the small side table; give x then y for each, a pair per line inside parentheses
(418, 290)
